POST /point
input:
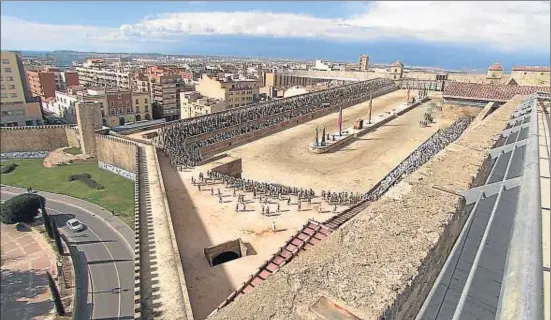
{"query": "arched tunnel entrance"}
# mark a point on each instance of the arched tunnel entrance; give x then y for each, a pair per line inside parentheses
(224, 257)
(228, 251)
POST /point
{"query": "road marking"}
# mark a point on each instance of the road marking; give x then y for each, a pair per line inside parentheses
(114, 263)
(103, 243)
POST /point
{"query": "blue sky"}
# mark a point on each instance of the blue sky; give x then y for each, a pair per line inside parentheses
(440, 34)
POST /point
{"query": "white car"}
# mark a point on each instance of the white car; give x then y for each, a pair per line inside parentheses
(75, 225)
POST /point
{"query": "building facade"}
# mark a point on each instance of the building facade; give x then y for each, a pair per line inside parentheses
(193, 104)
(396, 70)
(530, 75)
(235, 93)
(44, 82)
(17, 106)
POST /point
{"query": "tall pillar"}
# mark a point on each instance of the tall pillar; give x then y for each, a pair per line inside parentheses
(88, 120)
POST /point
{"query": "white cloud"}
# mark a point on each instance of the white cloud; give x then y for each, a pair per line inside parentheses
(521, 26)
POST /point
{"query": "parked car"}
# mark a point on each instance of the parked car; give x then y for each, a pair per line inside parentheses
(75, 225)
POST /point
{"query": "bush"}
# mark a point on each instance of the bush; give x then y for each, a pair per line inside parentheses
(21, 208)
(79, 176)
(87, 179)
(8, 168)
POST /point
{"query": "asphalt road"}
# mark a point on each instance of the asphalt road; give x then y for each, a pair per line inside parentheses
(109, 259)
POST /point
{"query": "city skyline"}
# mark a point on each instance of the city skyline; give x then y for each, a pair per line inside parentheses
(454, 35)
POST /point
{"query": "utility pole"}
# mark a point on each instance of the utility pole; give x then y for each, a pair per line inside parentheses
(370, 107)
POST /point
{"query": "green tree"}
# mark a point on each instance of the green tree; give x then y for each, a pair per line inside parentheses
(55, 295)
(21, 208)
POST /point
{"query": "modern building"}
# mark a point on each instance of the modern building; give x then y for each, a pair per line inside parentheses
(272, 82)
(98, 73)
(44, 82)
(319, 65)
(17, 106)
(531, 75)
(235, 93)
(193, 104)
(363, 63)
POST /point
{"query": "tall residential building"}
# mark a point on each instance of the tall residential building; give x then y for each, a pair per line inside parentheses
(235, 93)
(364, 62)
(17, 107)
(165, 84)
(97, 73)
(44, 82)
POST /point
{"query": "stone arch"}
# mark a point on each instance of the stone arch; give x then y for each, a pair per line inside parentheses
(224, 257)
(122, 121)
(138, 117)
(147, 116)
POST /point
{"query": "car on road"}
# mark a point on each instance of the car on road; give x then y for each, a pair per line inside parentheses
(75, 225)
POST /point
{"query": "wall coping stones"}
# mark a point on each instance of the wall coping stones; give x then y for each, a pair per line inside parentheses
(116, 139)
(24, 155)
(36, 127)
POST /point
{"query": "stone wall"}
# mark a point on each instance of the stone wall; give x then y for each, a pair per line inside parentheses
(233, 168)
(73, 137)
(116, 152)
(28, 139)
(121, 172)
(24, 155)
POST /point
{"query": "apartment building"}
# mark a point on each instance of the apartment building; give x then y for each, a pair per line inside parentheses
(44, 82)
(235, 93)
(117, 106)
(97, 73)
(17, 106)
(193, 104)
(165, 84)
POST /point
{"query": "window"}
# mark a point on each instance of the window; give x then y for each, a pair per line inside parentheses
(13, 95)
(5, 61)
(9, 78)
(137, 102)
(7, 69)
(112, 111)
(12, 86)
(112, 103)
(145, 100)
(120, 111)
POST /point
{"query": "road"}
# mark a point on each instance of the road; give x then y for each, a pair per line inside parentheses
(109, 257)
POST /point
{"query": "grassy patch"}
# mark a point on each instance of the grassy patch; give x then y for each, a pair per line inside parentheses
(74, 151)
(117, 196)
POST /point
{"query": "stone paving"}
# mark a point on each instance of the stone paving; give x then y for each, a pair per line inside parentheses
(26, 256)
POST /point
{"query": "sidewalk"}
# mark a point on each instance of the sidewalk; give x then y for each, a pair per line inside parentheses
(26, 256)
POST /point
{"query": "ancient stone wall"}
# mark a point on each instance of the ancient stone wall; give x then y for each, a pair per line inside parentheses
(73, 137)
(233, 168)
(116, 152)
(27, 139)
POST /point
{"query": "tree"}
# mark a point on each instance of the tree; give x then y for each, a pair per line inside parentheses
(55, 295)
(57, 238)
(323, 137)
(21, 208)
(157, 110)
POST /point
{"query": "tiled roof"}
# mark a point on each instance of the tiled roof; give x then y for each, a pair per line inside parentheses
(397, 63)
(532, 69)
(490, 92)
(496, 67)
(308, 236)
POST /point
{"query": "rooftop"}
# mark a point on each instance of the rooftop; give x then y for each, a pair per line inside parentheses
(496, 67)
(489, 92)
(532, 68)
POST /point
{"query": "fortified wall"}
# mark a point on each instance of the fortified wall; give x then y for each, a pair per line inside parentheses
(33, 139)
(382, 263)
(113, 154)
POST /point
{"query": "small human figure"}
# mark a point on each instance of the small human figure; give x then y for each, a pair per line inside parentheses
(234, 192)
(244, 207)
(237, 207)
(289, 201)
(273, 227)
(211, 191)
(199, 187)
(278, 207)
(267, 210)
(219, 199)
(299, 205)
(335, 208)
(262, 209)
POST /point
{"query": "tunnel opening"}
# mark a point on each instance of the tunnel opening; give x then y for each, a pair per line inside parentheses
(224, 257)
(228, 251)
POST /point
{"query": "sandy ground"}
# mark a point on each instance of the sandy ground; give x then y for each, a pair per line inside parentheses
(201, 221)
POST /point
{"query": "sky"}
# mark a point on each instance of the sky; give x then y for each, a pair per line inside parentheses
(453, 35)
